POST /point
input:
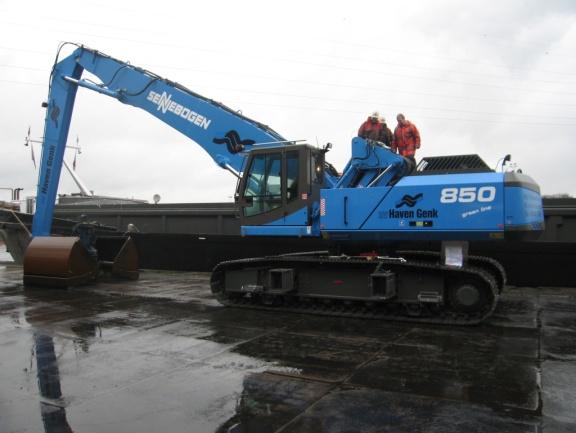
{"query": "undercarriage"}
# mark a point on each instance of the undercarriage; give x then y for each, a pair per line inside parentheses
(415, 286)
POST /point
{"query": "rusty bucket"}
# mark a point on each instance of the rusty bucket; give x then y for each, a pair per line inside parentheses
(124, 263)
(58, 262)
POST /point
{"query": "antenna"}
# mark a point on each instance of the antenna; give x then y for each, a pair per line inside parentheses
(28, 141)
(27, 138)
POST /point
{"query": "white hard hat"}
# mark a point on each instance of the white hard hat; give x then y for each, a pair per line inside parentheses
(375, 115)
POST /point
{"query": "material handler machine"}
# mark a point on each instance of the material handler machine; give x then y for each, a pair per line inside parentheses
(288, 189)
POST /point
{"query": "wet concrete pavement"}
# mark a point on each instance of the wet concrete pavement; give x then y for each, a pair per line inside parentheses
(160, 355)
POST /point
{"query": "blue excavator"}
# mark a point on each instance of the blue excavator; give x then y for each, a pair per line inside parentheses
(288, 189)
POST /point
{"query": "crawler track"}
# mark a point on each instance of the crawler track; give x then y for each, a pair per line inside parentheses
(316, 282)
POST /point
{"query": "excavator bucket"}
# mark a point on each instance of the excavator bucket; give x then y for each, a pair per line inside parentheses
(64, 261)
(124, 263)
(58, 262)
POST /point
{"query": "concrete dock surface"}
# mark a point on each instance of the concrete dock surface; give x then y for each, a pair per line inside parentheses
(160, 355)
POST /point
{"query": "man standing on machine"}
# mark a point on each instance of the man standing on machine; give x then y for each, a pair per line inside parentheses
(406, 138)
(371, 129)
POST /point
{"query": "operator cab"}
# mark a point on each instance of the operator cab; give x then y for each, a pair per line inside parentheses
(280, 185)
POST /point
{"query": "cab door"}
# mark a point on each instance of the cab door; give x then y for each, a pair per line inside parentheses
(276, 188)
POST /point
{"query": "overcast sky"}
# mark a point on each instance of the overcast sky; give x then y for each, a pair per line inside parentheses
(490, 78)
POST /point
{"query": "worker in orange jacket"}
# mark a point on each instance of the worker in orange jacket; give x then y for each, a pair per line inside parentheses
(371, 128)
(406, 138)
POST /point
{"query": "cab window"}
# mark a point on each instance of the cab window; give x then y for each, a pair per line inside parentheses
(263, 184)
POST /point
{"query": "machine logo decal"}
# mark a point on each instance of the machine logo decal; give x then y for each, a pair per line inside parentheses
(49, 164)
(409, 214)
(484, 194)
(421, 223)
(233, 142)
(54, 113)
(165, 103)
(406, 214)
(476, 211)
(409, 201)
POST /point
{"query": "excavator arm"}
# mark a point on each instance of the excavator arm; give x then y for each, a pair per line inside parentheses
(223, 133)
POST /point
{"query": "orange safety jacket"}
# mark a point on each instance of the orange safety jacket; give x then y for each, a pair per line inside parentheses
(406, 139)
(370, 130)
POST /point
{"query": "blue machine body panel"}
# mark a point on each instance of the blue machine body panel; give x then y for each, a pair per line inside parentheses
(523, 209)
(298, 218)
(295, 224)
(418, 207)
(280, 230)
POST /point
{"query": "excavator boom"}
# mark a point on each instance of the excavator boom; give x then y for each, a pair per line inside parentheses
(222, 132)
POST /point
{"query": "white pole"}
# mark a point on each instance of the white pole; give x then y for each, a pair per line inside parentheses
(83, 189)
